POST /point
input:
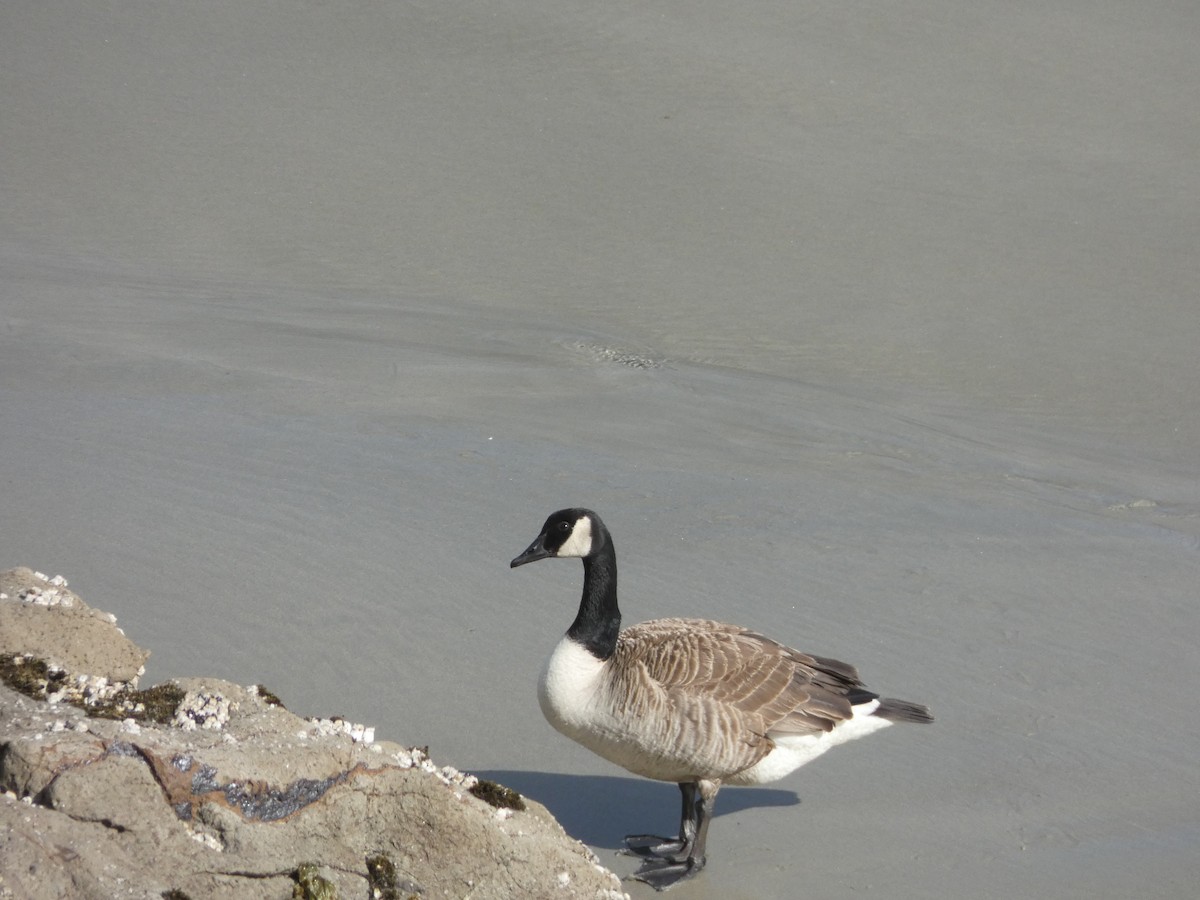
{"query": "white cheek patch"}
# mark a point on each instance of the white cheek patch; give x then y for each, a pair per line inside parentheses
(580, 541)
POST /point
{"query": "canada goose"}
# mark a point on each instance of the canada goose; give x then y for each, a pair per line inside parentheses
(691, 701)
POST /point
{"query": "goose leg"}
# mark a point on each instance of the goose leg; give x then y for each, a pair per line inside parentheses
(669, 861)
(657, 846)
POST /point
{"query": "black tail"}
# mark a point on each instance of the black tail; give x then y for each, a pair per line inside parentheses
(903, 711)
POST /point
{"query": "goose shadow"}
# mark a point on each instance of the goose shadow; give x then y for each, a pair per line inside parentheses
(600, 810)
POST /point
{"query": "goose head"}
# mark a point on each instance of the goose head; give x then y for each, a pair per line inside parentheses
(567, 534)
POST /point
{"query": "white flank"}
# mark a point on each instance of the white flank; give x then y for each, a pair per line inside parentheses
(792, 750)
(580, 542)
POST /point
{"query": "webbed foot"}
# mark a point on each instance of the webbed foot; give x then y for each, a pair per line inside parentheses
(662, 874)
(652, 846)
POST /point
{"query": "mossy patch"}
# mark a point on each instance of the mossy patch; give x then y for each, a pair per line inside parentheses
(385, 884)
(32, 677)
(498, 795)
(381, 876)
(156, 704)
(310, 885)
(39, 679)
(268, 697)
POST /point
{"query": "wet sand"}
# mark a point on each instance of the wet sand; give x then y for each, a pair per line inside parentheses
(872, 329)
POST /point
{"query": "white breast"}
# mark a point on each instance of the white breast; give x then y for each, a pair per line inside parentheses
(575, 696)
(568, 686)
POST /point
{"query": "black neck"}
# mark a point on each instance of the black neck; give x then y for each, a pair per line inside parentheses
(599, 619)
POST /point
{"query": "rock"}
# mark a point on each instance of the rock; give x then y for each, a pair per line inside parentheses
(45, 619)
(210, 789)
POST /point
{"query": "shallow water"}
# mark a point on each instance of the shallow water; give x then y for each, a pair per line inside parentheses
(874, 334)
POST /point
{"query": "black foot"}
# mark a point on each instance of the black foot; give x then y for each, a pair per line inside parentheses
(662, 874)
(652, 846)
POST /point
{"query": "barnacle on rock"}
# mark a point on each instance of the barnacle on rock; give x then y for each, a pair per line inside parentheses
(360, 734)
(203, 709)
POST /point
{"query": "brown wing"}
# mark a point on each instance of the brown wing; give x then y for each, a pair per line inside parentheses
(770, 688)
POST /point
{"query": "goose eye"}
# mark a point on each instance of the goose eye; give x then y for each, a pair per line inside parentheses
(564, 526)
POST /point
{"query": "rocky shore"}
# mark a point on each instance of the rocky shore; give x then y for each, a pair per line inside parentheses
(201, 788)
